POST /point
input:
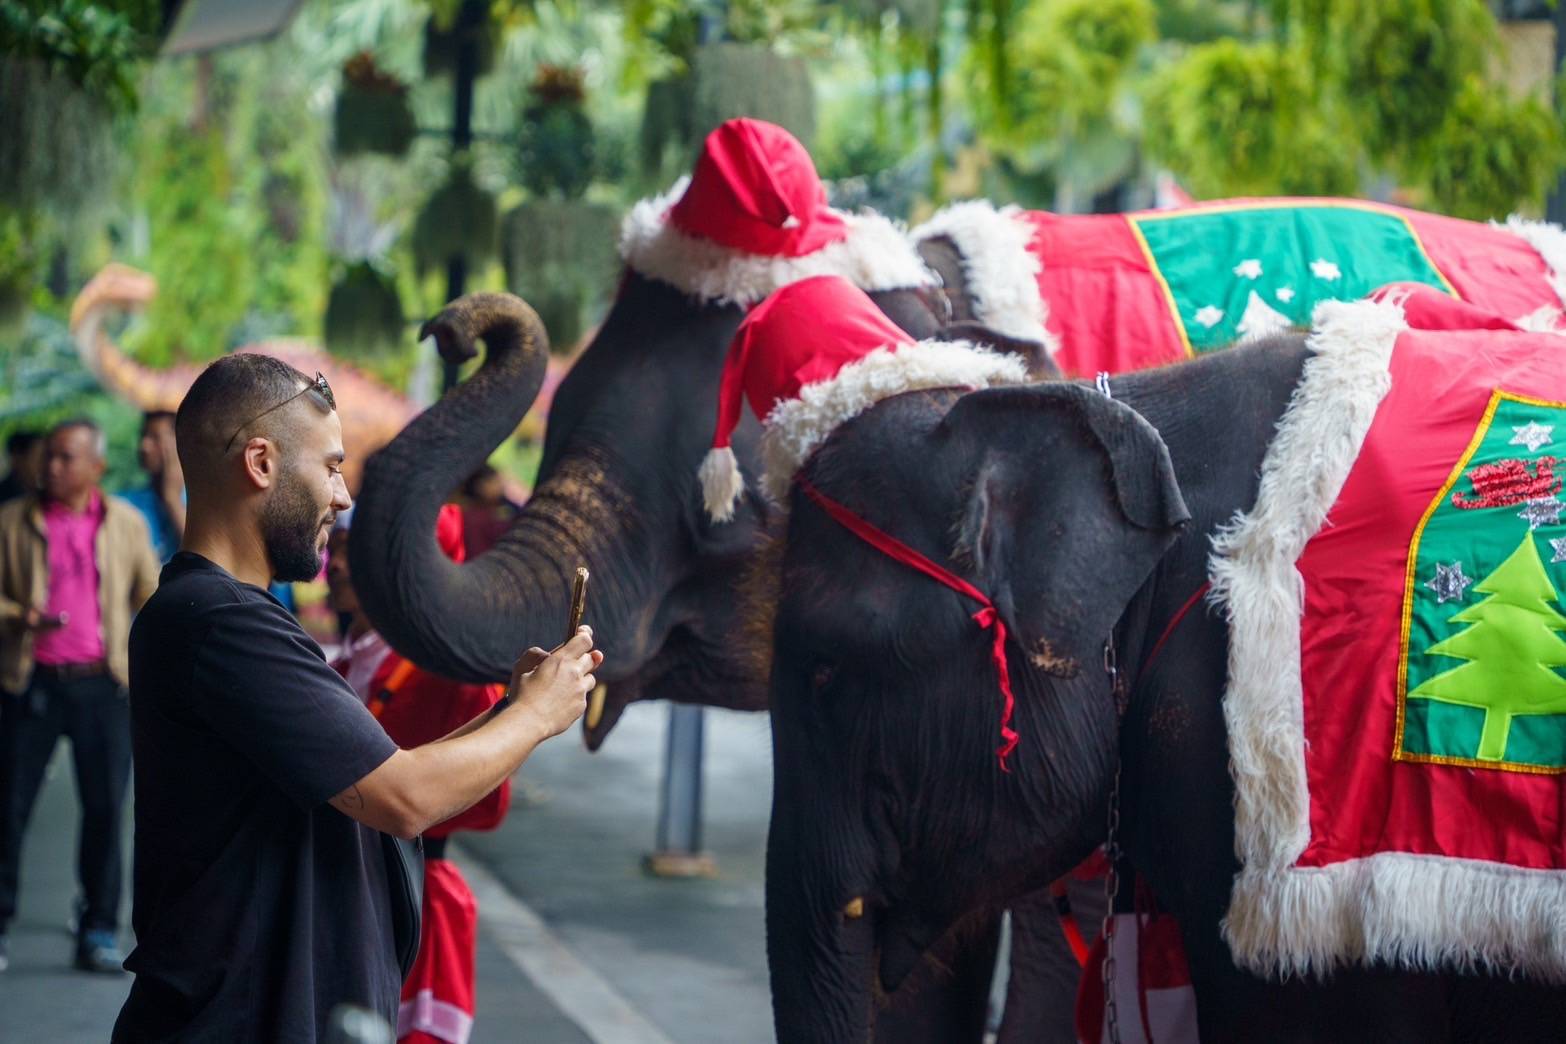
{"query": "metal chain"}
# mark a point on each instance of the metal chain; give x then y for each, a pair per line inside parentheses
(1112, 879)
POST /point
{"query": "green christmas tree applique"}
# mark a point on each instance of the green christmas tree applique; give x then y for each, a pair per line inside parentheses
(1511, 647)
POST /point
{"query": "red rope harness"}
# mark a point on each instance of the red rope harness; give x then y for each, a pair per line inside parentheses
(988, 617)
(1174, 621)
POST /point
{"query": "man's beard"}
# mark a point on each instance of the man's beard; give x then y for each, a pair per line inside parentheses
(291, 530)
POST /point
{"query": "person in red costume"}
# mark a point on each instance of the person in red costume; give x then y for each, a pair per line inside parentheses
(416, 707)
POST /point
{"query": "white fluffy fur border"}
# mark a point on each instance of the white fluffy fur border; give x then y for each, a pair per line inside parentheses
(1409, 910)
(796, 427)
(1002, 273)
(1548, 241)
(876, 255)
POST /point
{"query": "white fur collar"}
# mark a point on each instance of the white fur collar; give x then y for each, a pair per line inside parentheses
(1001, 271)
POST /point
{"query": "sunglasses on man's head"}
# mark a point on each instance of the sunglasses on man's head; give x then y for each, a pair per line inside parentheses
(319, 386)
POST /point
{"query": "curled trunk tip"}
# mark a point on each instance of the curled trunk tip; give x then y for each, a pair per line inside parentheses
(462, 323)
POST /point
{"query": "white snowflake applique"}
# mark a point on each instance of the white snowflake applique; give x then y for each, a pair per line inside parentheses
(1250, 268)
(1209, 316)
(1449, 583)
(1321, 268)
(1285, 294)
(1558, 545)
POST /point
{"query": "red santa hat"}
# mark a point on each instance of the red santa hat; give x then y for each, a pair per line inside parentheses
(754, 217)
(812, 356)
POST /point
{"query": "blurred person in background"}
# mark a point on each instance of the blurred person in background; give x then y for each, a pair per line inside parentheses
(486, 511)
(162, 501)
(25, 450)
(415, 707)
(75, 565)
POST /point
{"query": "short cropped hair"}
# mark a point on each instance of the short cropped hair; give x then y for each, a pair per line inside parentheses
(100, 442)
(233, 391)
(21, 441)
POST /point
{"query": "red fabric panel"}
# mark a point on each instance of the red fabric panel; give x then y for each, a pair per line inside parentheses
(448, 945)
(1489, 267)
(1363, 802)
(425, 708)
(1105, 304)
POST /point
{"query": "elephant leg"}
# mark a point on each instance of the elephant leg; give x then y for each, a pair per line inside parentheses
(945, 1000)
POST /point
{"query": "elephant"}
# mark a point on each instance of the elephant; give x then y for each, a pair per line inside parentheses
(616, 492)
(1084, 513)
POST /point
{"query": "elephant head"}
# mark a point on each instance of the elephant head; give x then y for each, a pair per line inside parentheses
(893, 819)
(616, 492)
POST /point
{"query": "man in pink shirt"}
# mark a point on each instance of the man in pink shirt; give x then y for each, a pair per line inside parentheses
(75, 565)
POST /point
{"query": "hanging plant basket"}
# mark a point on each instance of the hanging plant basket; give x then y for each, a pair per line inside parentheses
(459, 220)
(560, 257)
(364, 313)
(373, 113)
(732, 79)
(440, 49)
(556, 151)
(56, 147)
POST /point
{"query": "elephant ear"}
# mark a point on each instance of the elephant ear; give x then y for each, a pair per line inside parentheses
(1074, 501)
(1041, 365)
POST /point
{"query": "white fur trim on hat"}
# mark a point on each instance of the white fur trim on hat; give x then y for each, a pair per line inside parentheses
(875, 255)
(1002, 273)
(721, 483)
(795, 427)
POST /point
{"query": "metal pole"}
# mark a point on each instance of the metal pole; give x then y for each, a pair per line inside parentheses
(679, 847)
(470, 23)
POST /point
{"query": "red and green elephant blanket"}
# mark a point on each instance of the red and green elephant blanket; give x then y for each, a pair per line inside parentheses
(1119, 292)
(1396, 703)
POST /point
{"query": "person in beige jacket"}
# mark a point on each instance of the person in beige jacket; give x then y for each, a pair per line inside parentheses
(75, 565)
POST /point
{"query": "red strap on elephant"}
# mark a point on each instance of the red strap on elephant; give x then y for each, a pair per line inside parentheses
(987, 617)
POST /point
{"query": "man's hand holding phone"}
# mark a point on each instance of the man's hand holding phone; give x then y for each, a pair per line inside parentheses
(554, 685)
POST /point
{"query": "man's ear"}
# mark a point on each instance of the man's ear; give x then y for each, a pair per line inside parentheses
(1041, 365)
(1074, 501)
(260, 461)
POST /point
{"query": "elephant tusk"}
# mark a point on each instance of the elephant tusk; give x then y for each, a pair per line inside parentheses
(595, 705)
(855, 908)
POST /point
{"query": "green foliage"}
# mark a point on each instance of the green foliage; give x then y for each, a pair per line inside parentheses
(200, 244)
(560, 257)
(556, 151)
(91, 45)
(667, 128)
(459, 220)
(1404, 63)
(20, 263)
(1493, 153)
(56, 143)
(733, 79)
(1230, 118)
(441, 38)
(1071, 58)
(364, 313)
(373, 113)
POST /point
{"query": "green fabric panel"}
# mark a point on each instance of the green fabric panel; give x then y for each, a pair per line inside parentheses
(1442, 729)
(1537, 739)
(1492, 653)
(1214, 262)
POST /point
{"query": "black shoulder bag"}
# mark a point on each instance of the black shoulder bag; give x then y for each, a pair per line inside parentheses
(405, 882)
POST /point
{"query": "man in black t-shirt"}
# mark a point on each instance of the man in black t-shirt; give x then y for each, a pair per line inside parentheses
(261, 892)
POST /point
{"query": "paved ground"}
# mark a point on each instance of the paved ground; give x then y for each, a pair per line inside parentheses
(611, 956)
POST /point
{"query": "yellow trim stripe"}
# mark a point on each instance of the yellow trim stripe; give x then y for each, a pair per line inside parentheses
(1410, 579)
(1158, 274)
